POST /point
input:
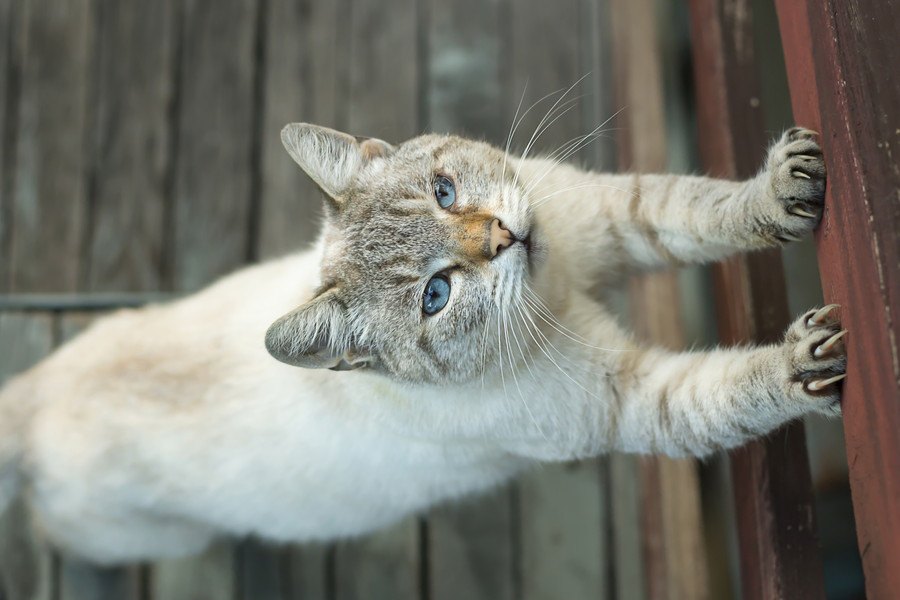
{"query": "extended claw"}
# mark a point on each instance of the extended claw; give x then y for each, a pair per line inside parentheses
(800, 174)
(802, 213)
(826, 346)
(817, 384)
(786, 237)
(818, 317)
(804, 157)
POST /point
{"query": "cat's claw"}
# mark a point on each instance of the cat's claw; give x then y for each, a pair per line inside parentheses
(817, 359)
(802, 213)
(819, 384)
(826, 346)
(818, 317)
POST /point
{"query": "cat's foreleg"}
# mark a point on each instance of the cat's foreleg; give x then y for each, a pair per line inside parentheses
(694, 403)
(638, 222)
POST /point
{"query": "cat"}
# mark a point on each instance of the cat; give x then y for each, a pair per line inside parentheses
(441, 336)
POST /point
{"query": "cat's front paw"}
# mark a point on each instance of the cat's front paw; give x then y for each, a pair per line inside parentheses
(817, 359)
(796, 184)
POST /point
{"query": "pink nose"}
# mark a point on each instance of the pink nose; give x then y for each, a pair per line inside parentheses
(500, 237)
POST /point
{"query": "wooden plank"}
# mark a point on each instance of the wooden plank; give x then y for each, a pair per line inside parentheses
(672, 536)
(383, 565)
(838, 86)
(470, 544)
(306, 58)
(311, 572)
(49, 201)
(216, 117)
(130, 146)
(209, 576)
(776, 524)
(470, 549)
(563, 520)
(10, 40)
(26, 566)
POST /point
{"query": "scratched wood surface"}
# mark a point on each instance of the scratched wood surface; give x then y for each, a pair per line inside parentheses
(837, 55)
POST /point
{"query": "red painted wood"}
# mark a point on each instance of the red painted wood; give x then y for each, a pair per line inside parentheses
(774, 508)
(843, 59)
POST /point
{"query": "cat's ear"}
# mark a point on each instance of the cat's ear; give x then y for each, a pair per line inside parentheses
(331, 158)
(316, 336)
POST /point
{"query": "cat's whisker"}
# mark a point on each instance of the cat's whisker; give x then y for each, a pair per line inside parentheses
(579, 143)
(542, 128)
(548, 317)
(484, 345)
(535, 134)
(514, 126)
(551, 359)
(516, 379)
(537, 202)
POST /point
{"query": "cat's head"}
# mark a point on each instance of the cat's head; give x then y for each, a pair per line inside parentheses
(427, 247)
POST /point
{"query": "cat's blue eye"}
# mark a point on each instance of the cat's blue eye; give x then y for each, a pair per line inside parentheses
(444, 191)
(436, 294)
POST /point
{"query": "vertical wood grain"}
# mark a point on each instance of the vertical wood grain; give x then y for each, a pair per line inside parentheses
(839, 57)
(214, 166)
(129, 146)
(385, 564)
(773, 496)
(49, 197)
(10, 40)
(674, 561)
(306, 54)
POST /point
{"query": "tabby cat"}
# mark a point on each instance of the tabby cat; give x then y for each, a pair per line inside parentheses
(441, 336)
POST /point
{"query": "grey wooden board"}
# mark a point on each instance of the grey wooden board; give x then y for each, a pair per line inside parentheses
(309, 572)
(49, 199)
(383, 565)
(306, 61)
(464, 87)
(471, 552)
(9, 36)
(563, 516)
(262, 571)
(26, 566)
(626, 530)
(213, 177)
(209, 576)
(383, 88)
(130, 145)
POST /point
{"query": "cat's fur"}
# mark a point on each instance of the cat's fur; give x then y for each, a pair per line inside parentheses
(159, 429)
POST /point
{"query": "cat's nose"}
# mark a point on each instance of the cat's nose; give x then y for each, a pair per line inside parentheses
(500, 238)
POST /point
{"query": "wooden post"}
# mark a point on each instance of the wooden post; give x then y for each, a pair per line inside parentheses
(672, 532)
(775, 517)
(844, 83)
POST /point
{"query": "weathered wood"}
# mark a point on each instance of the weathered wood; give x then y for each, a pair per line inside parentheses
(262, 571)
(673, 553)
(210, 576)
(776, 524)
(26, 565)
(10, 37)
(214, 167)
(306, 58)
(387, 564)
(470, 549)
(842, 84)
(49, 200)
(563, 516)
(129, 146)
(311, 572)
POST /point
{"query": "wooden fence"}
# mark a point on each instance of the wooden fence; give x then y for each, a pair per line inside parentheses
(139, 156)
